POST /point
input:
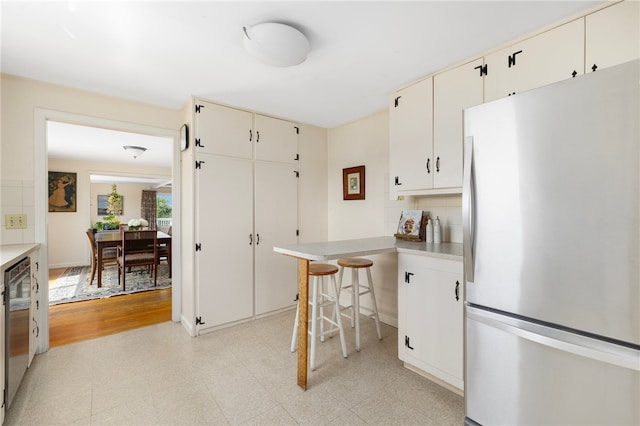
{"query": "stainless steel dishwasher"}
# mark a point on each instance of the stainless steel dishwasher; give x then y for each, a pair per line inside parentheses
(17, 301)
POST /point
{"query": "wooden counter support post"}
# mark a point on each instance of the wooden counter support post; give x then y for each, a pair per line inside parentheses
(303, 323)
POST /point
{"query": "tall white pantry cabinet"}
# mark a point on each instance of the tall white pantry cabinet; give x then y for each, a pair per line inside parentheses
(245, 202)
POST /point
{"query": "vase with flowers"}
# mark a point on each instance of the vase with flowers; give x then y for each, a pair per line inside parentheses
(137, 224)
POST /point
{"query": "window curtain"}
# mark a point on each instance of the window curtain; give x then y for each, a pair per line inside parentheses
(148, 208)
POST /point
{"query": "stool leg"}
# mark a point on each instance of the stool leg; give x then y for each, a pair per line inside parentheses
(374, 306)
(337, 315)
(294, 338)
(355, 282)
(321, 303)
(314, 318)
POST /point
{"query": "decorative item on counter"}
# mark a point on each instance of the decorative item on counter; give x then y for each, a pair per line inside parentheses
(437, 232)
(429, 231)
(412, 225)
(137, 224)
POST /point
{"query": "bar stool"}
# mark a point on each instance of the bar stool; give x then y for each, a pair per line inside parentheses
(356, 290)
(319, 299)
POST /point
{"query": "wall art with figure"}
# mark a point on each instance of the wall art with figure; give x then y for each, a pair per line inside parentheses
(62, 192)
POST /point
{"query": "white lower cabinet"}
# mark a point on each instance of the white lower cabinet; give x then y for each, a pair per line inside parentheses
(34, 309)
(276, 223)
(430, 317)
(224, 242)
(238, 274)
(2, 351)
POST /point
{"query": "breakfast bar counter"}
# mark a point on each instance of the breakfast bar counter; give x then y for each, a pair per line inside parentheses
(331, 250)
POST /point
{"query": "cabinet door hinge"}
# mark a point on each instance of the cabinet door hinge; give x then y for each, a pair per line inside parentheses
(512, 58)
(198, 247)
(199, 164)
(199, 321)
(198, 143)
(198, 108)
(482, 68)
(407, 342)
(297, 129)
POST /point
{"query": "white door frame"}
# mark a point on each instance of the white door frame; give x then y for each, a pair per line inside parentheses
(41, 116)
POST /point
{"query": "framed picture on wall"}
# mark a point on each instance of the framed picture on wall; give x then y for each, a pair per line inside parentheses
(103, 203)
(62, 192)
(353, 183)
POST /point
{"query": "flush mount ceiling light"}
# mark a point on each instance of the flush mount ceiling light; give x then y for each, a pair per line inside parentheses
(278, 45)
(136, 151)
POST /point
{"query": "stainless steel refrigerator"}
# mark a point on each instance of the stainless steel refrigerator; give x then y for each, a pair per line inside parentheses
(551, 221)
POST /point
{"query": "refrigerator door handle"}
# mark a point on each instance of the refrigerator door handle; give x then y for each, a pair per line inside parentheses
(558, 339)
(468, 201)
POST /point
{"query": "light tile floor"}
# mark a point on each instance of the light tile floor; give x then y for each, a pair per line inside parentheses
(245, 374)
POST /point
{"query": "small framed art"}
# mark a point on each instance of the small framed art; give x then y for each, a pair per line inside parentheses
(62, 192)
(353, 183)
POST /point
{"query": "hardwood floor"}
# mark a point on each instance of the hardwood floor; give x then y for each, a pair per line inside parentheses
(72, 322)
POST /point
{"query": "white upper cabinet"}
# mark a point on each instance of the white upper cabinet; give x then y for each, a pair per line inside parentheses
(411, 138)
(223, 130)
(453, 91)
(613, 35)
(276, 140)
(549, 57)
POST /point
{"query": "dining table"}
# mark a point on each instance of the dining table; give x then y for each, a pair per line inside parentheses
(106, 239)
(323, 251)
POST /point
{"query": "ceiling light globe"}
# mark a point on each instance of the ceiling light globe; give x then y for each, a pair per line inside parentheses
(277, 45)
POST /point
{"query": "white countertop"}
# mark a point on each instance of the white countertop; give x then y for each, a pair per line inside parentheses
(329, 250)
(11, 253)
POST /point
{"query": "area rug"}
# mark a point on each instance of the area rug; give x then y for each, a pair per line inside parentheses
(73, 285)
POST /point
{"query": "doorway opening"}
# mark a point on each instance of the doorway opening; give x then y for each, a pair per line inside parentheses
(48, 125)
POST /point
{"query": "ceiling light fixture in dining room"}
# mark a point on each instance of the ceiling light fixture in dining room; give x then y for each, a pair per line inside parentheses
(136, 151)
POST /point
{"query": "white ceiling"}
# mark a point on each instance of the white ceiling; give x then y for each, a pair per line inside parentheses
(84, 143)
(163, 52)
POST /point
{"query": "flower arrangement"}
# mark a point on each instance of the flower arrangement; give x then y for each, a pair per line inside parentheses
(136, 224)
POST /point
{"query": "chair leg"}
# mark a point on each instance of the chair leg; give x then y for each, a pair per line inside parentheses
(374, 306)
(294, 337)
(314, 329)
(355, 304)
(337, 315)
(93, 270)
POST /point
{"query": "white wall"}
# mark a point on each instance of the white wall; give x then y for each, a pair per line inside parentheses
(312, 188)
(366, 142)
(20, 97)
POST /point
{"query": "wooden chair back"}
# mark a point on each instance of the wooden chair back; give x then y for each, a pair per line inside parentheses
(138, 248)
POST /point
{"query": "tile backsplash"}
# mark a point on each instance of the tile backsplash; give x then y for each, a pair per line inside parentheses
(17, 197)
(447, 207)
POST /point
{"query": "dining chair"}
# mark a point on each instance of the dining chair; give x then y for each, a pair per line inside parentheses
(109, 254)
(164, 253)
(138, 248)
